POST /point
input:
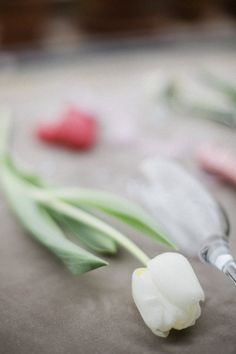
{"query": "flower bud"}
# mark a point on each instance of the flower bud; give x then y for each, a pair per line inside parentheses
(167, 293)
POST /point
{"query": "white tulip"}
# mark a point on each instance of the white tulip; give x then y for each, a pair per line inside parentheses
(167, 293)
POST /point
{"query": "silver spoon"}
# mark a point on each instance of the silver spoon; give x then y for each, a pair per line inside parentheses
(186, 212)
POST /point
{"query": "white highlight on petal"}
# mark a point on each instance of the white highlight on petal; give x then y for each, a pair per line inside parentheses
(167, 293)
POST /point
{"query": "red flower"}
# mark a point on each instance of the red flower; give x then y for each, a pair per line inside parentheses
(75, 129)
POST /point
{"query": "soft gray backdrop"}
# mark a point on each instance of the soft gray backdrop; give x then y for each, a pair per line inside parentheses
(43, 308)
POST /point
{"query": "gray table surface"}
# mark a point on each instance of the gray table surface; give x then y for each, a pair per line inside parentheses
(43, 308)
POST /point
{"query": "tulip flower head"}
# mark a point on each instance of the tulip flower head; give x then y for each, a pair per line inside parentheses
(167, 293)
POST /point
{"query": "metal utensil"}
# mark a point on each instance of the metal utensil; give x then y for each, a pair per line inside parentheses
(186, 212)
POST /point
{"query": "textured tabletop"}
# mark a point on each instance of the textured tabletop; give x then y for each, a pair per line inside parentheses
(43, 308)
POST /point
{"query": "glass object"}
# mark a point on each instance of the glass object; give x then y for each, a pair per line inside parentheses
(186, 211)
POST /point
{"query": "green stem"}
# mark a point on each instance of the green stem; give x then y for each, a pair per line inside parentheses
(92, 221)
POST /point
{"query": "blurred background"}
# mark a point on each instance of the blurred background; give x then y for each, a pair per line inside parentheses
(156, 75)
(41, 23)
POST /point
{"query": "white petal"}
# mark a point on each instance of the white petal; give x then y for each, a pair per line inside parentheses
(146, 298)
(158, 314)
(174, 276)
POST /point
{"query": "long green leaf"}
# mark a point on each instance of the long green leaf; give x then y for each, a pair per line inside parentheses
(91, 221)
(224, 117)
(89, 237)
(115, 206)
(174, 99)
(221, 85)
(42, 227)
(23, 173)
